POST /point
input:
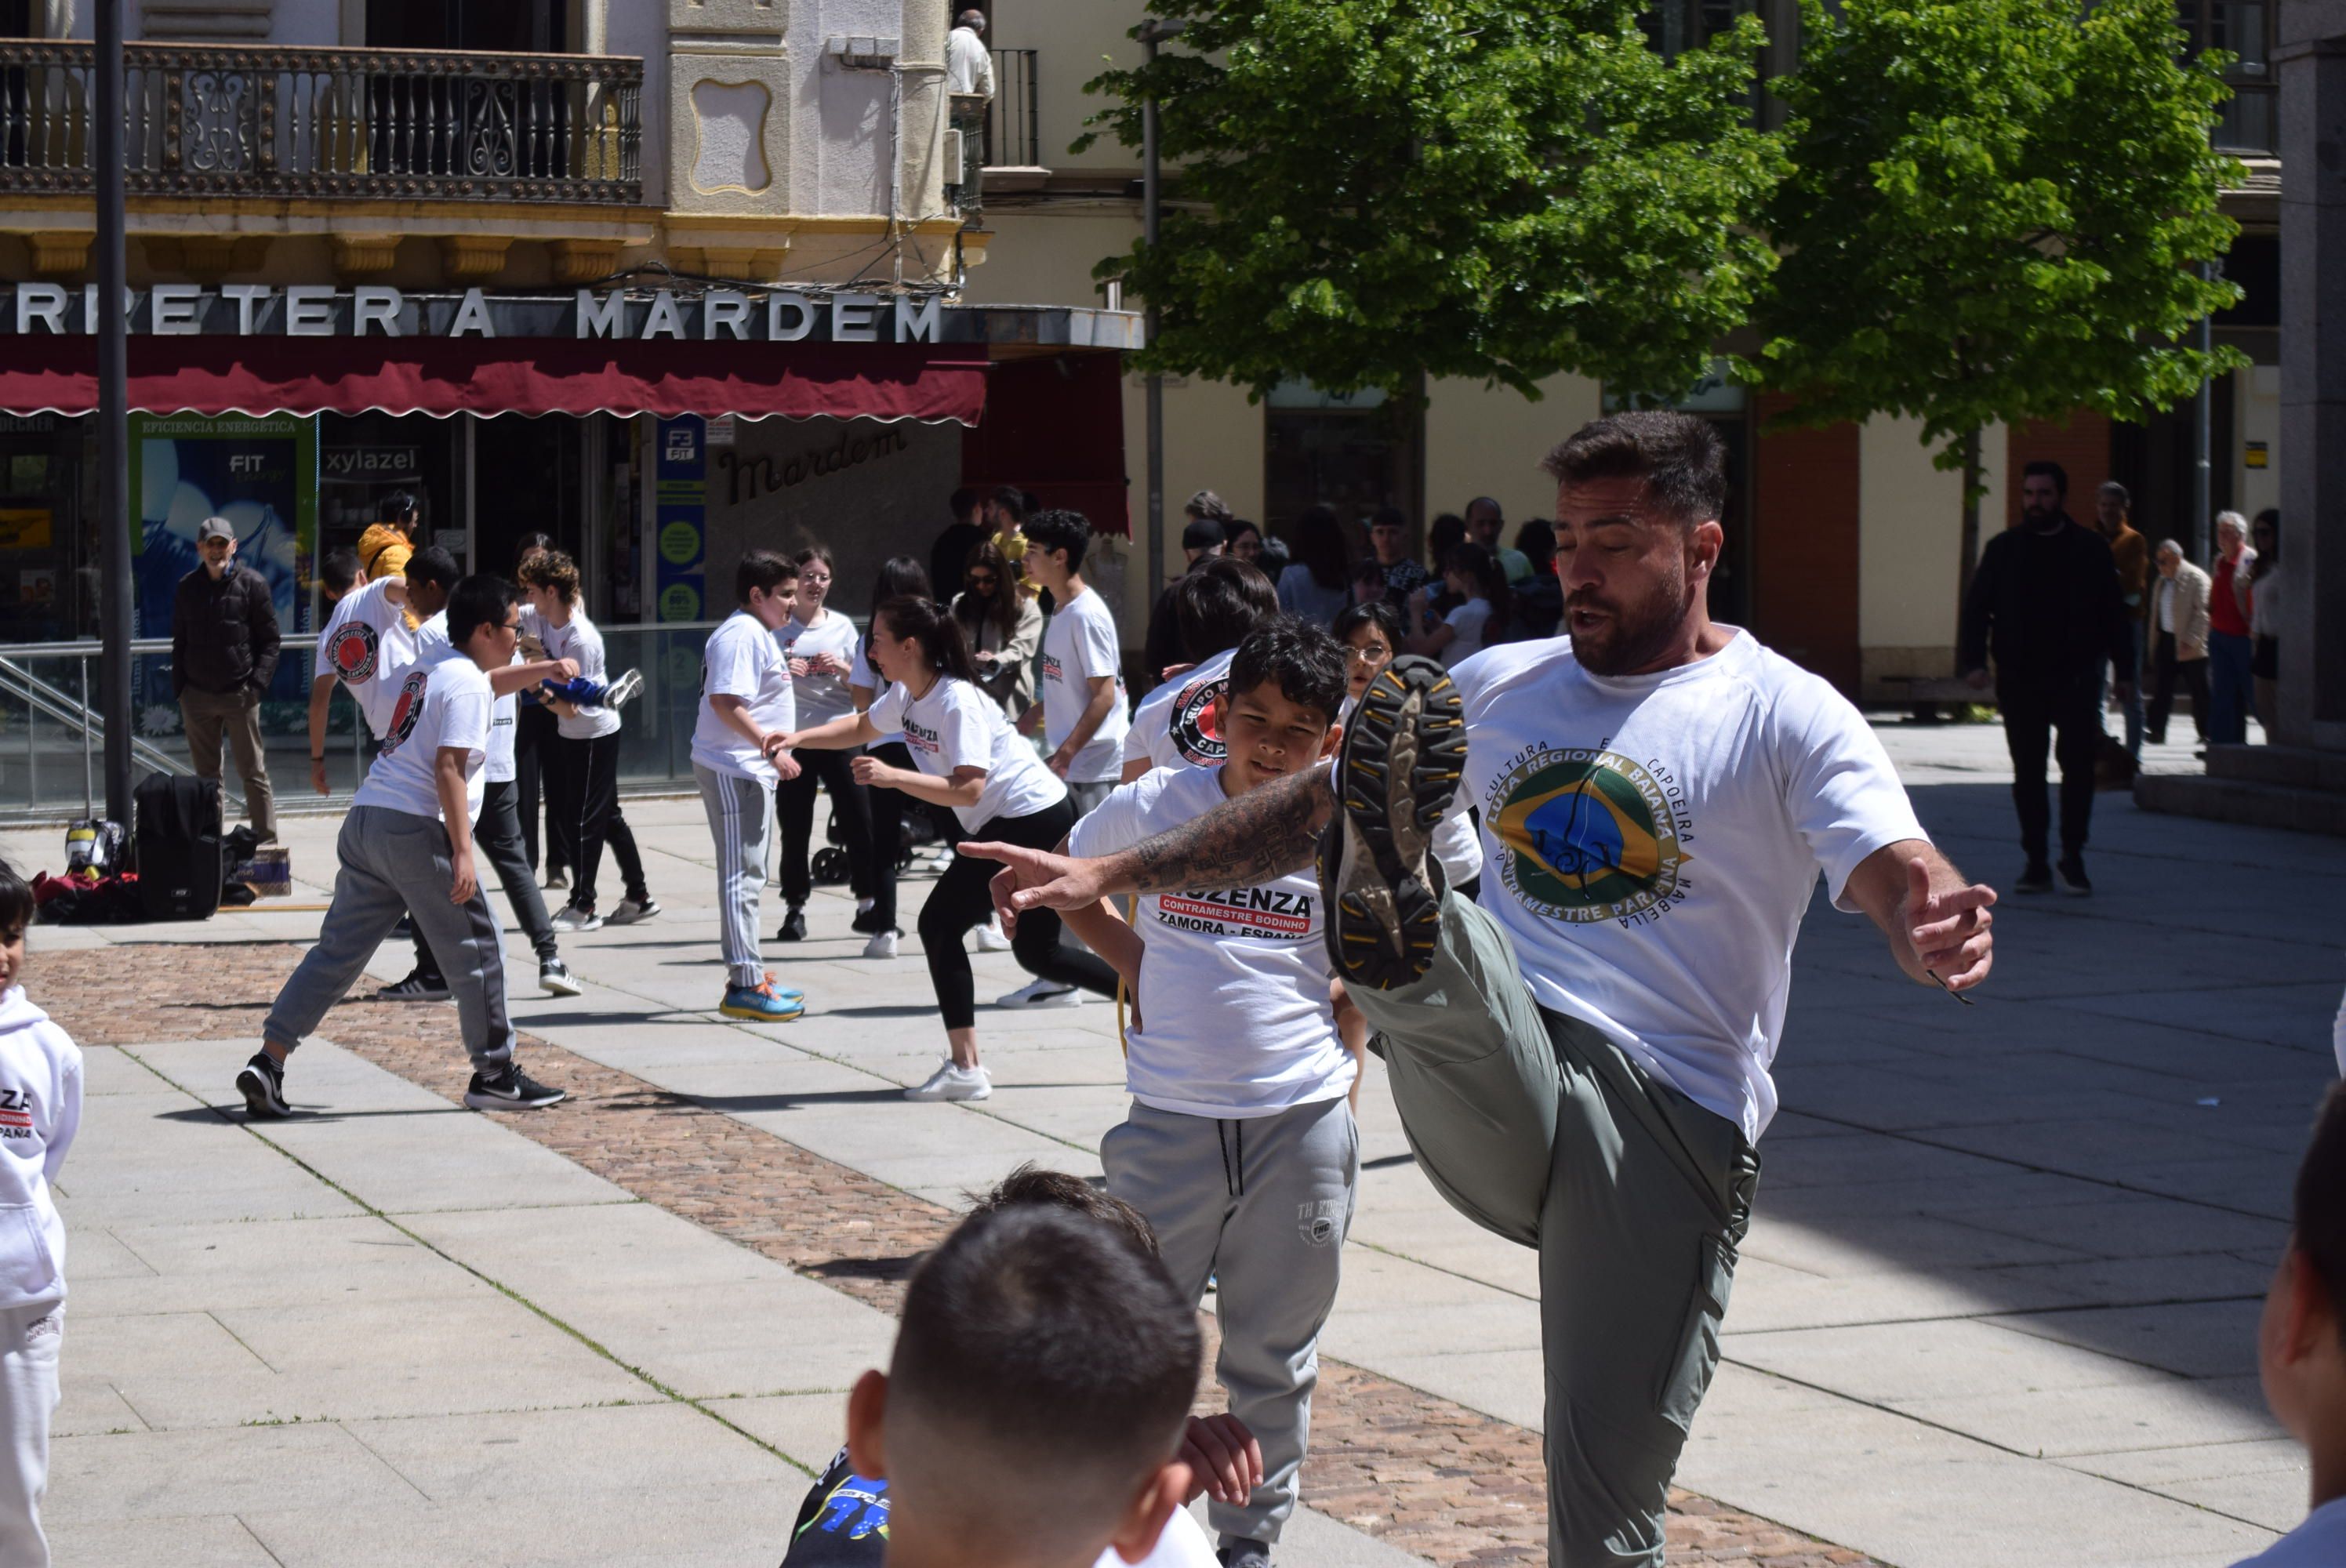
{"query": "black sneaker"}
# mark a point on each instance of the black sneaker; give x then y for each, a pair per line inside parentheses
(262, 1084)
(417, 987)
(1402, 758)
(2037, 878)
(793, 926)
(511, 1090)
(867, 922)
(1244, 1552)
(2074, 883)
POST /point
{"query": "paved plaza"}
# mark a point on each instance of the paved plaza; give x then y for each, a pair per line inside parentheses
(1998, 1305)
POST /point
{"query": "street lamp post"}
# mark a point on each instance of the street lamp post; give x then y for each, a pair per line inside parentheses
(113, 419)
(1153, 33)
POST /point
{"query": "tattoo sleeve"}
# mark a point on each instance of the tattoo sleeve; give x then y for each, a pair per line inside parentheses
(1261, 834)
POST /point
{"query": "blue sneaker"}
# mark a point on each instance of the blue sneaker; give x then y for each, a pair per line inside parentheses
(763, 1003)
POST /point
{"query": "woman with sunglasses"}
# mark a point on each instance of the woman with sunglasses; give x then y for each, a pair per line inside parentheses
(1003, 627)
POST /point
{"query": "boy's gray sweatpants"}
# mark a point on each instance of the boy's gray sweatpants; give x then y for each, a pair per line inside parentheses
(1536, 1126)
(396, 863)
(1261, 1204)
(740, 811)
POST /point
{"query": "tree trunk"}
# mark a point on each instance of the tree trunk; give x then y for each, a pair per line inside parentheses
(1967, 557)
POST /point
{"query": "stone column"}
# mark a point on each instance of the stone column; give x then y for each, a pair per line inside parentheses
(2312, 72)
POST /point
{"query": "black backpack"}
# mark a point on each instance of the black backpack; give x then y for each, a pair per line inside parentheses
(178, 846)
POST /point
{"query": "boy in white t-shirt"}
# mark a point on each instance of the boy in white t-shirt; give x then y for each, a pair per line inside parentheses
(40, 1109)
(406, 846)
(1215, 604)
(1084, 714)
(747, 710)
(1241, 1149)
(2301, 1343)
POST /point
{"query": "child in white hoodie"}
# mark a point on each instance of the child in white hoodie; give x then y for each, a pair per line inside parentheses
(40, 1106)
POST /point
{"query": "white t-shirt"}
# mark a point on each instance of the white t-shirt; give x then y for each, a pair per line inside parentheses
(2318, 1543)
(870, 679)
(1468, 621)
(1175, 723)
(368, 645)
(579, 641)
(741, 658)
(430, 638)
(1652, 842)
(442, 702)
(955, 725)
(1456, 844)
(1182, 1544)
(1079, 646)
(1235, 1017)
(821, 698)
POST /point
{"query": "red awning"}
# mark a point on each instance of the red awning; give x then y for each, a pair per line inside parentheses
(263, 375)
(1056, 429)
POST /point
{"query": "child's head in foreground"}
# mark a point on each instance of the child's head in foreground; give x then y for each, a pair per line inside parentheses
(16, 917)
(1287, 686)
(2301, 1341)
(1041, 1382)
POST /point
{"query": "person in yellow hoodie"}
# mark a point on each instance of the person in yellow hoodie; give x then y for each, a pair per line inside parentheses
(385, 547)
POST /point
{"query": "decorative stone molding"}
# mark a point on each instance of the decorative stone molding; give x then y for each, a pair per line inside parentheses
(365, 255)
(207, 21)
(749, 264)
(61, 253)
(207, 257)
(729, 107)
(470, 258)
(577, 261)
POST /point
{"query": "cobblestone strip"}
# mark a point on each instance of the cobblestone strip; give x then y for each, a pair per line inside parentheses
(1418, 1471)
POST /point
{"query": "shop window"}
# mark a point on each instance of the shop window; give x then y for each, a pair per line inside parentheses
(363, 459)
(2249, 126)
(17, 20)
(499, 27)
(48, 564)
(1354, 453)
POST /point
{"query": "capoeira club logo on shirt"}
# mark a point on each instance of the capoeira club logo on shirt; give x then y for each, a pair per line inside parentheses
(404, 712)
(352, 652)
(1589, 835)
(1195, 732)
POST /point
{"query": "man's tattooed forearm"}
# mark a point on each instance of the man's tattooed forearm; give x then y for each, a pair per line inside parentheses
(1260, 835)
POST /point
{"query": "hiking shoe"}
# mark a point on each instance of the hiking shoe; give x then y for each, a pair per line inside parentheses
(262, 1084)
(761, 1004)
(573, 918)
(882, 945)
(624, 690)
(793, 926)
(2074, 883)
(631, 911)
(1040, 993)
(951, 1083)
(417, 987)
(1396, 774)
(990, 938)
(2037, 878)
(1244, 1552)
(510, 1090)
(555, 978)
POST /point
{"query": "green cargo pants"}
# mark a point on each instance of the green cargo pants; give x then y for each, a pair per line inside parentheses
(1536, 1126)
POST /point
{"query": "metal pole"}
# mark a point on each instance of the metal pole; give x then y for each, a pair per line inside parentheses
(113, 416)
(2203, 443)
(1149, 33)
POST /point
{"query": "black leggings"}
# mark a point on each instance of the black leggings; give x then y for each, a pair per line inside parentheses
(887, 834)
(962, 900)
(535, 733)
(587, 797)
(794, 803)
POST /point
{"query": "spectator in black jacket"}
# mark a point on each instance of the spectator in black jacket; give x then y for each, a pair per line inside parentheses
(2046, 602)
(224, 642)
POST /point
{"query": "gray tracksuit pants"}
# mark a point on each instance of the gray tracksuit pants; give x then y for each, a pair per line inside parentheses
(396, 863)
(1541, 1129)
(1263, 1204)
(741, 812)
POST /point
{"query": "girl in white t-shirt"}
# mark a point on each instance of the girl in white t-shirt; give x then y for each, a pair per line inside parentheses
(1480, 618)
(819, 643)
(965, 756)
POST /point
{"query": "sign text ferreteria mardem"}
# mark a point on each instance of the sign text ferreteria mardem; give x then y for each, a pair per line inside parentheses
(321, 310)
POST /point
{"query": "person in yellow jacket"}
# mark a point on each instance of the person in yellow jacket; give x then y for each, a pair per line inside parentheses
(385, 547)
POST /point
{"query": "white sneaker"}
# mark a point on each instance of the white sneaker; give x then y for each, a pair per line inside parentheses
(882, 945)
(630, 912)
(990, 938)
(951, 1083)
(1041, 993)
(573, 918)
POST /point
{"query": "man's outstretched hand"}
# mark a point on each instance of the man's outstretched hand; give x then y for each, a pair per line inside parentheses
(1224, 1459)
(1950, 928)
(1036, 880)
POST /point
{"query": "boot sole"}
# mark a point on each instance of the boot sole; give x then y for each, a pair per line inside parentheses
(1399, 770)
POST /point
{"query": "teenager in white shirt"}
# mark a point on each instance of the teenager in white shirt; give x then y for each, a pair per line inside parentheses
(1084, 716)
(1215, 604)
(819, 643)
(1239, 1149)
(1479, 618)
(965, 756)
(748, 706)
(40, 1110)
(899, 575)
(406, 846)
(584, 781)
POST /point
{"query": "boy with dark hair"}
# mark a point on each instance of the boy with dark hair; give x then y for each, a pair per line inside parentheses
(1214, 605)
(747, 711)
(406, 846)
(1239, 1149)
(1084, 717)
(2301, 1342)
(339, 572)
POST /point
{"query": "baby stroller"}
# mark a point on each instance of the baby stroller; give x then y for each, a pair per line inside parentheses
(828, 867)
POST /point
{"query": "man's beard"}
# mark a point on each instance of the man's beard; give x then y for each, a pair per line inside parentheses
(2039, 516)
(1633, 634)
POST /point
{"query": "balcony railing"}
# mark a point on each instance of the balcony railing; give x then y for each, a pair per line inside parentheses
(204, 121)
(1013, 127)
(965, 183)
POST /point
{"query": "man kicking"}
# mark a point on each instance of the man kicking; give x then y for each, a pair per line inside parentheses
(1582, 1060)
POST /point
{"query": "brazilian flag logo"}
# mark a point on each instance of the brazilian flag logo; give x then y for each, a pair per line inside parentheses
(1585, 838)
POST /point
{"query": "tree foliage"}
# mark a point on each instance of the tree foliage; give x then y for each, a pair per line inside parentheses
(1369, 190)
(1996, 211)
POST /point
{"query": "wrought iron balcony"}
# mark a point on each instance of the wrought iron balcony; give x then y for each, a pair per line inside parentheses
(205, 120)
(965, 180)
(1013, 123)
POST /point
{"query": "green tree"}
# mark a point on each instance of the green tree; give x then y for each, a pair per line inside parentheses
(1996, 211)
(1374, 190)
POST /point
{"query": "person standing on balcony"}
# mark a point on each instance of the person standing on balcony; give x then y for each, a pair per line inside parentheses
(969, 66)
(224, 642)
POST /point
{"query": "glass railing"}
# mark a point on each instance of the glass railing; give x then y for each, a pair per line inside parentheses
(53, 749)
